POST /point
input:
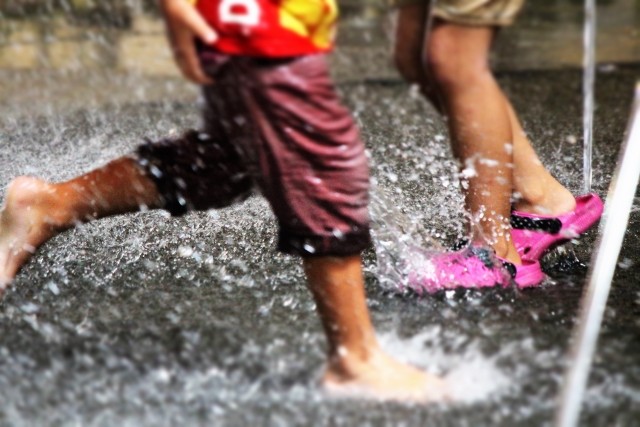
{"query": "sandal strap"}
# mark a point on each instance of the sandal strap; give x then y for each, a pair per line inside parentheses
(511, 268)
(548, 225)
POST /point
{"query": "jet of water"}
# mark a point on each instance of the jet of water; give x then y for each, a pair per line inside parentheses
(588, 84)
(616, 216)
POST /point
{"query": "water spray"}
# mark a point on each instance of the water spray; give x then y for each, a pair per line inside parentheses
(615, 219)
(588, 84)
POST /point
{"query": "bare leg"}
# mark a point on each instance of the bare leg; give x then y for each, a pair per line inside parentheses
(538, 190)
(34, 210)
(480, 127)
(453, 60)
(410, 27)
(357, 365)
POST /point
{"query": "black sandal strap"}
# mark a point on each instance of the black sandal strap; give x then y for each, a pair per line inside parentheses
(548, 225)
(511, 268)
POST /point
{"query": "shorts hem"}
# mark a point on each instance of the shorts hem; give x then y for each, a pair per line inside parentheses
(473, 22)
(170, 201)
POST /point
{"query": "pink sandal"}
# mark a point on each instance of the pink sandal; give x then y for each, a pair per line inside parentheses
(526, 275)
(472, 267)
(534, 234)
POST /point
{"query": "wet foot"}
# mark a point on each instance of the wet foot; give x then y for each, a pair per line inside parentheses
(383, 378)
(26, 222)
(552, 203)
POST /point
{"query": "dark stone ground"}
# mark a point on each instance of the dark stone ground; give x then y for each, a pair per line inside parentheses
(149, 320)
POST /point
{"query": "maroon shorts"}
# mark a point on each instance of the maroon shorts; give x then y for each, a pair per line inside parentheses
(278, 126)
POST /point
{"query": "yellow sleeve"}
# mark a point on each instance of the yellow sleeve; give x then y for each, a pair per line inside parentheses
(314, 19)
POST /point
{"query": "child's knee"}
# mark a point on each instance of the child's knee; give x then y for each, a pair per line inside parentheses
(448, 72)
(451, 64)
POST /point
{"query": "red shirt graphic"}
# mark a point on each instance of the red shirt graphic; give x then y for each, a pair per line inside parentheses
(271, 28)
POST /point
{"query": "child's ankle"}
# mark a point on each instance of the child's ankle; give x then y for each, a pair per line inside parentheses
(553, 199)
(507, 251)
(41, 199)
(347, 364)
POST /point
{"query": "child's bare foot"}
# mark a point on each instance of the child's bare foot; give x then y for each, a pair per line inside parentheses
(27, 220)
(555, 201)
(382, 377)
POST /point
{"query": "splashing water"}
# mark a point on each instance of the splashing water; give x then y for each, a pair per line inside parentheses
(150, 320)
(401, 243)
(409, 259)
(471, 376)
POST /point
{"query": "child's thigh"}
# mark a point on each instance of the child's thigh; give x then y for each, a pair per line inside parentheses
(314, 169)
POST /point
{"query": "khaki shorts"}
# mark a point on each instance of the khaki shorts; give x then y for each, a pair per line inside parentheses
(472, 12)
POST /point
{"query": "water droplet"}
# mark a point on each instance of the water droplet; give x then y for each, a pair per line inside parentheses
(314, 180)
(30, 308)
(180, 183)
(287, 301)
(625, 263)
(185, 251)
(489, 162)
(155, 171)
(53, 287)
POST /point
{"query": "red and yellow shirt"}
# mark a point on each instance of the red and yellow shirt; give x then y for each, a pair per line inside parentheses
(271, 28)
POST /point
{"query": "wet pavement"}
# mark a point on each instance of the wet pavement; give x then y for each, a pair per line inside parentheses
(149, 320)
